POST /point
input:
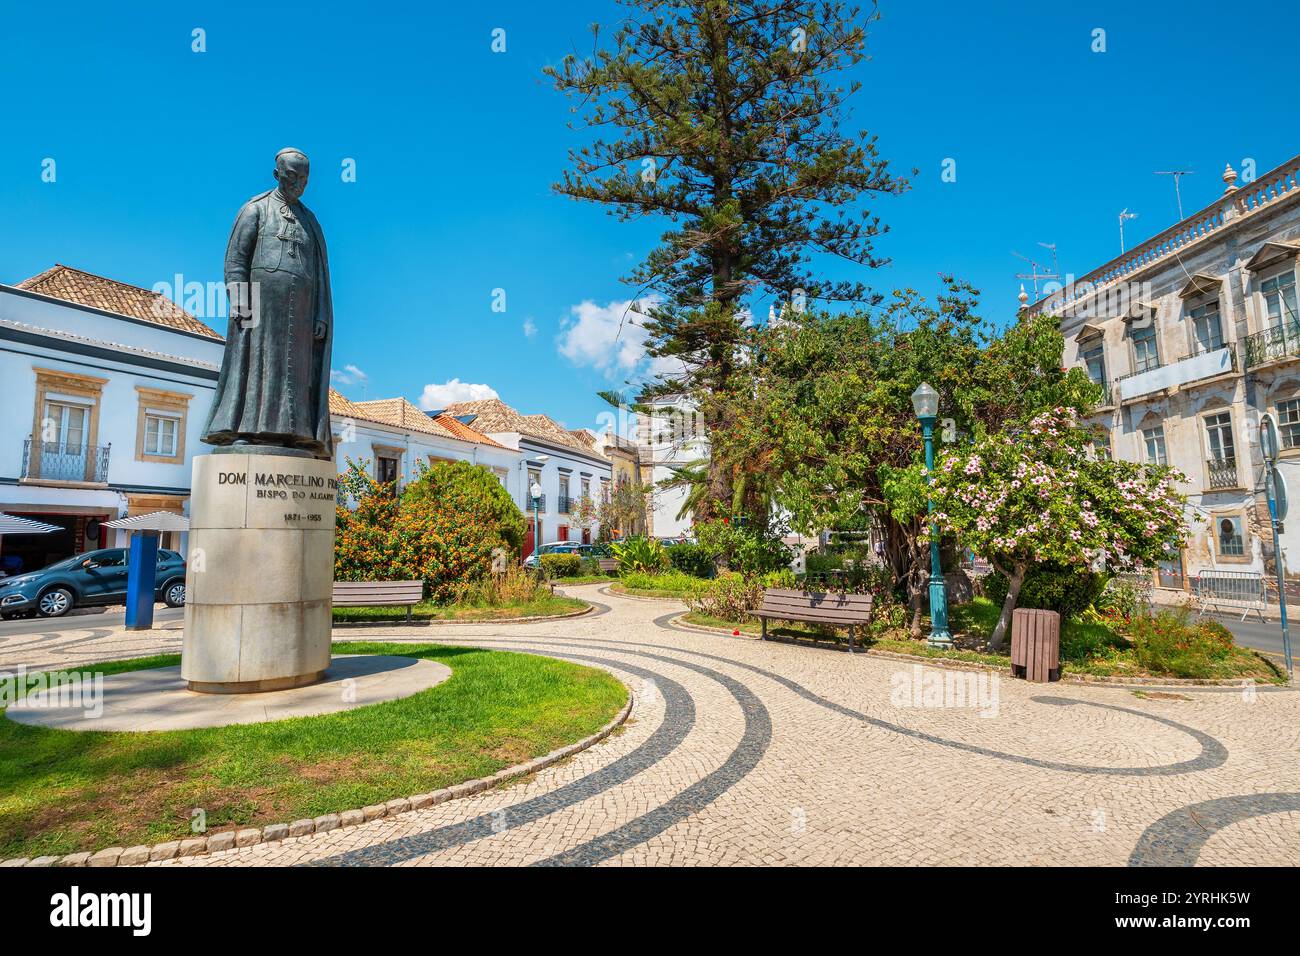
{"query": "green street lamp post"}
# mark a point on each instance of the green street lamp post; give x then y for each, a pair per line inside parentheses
(925, 401)
(536, 492)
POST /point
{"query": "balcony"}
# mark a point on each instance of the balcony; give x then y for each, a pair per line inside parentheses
(1193, 368)
(46, 461)
(566, 505)
(1221, 473)
(539, 503)
(1281, 341)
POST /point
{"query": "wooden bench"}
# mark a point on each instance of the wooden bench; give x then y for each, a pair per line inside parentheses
(379, 594)
(607, 565)
(815, 607)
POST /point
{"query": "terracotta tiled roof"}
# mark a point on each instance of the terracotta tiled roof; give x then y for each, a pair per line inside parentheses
(402, 414)
(494, 415)
(342, 405)
(464, 432)
(86, 288)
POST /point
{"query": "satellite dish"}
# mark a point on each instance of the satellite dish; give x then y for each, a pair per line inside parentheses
(1268, 437)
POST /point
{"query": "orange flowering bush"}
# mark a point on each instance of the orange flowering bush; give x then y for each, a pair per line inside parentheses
(442, 528)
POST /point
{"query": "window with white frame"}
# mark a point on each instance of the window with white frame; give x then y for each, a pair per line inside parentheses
(1094, 360)
(1146, 353)
(160, 432)
(1154, 440)
(1288, 422)
(1207, 330)
(63, 429)
(1279, 298)
(1218, 430)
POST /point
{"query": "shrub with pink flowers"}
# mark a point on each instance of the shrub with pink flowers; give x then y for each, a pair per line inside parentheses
(1041, 493)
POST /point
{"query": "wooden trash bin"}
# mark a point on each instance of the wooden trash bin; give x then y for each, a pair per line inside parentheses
(1036, 645)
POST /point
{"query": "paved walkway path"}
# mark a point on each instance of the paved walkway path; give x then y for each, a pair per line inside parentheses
(743, 752)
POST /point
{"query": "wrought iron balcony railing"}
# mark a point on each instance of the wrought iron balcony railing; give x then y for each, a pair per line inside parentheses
(539, 502)
(1280, 341)
(1221, 472)
(50, 461)
(566, 505)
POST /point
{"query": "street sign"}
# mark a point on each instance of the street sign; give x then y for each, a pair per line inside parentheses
(1276, 487)
(1268, 437)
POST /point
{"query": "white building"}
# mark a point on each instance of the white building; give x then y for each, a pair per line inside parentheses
(393, 438)
(566, 464)
(1195, 334)
(671, 436)
(104, 388)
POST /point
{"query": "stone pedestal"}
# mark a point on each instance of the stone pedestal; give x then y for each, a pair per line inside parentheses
(260, 572)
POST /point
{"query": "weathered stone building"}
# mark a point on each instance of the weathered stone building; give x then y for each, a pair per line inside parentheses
(1195, 334)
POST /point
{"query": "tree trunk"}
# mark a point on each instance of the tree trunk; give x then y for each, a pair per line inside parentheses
(998, 642)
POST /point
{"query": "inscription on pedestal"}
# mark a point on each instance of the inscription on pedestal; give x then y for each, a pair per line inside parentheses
(257, 611)
(249, 494)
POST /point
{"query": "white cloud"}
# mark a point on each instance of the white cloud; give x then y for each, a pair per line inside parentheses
(530, 327)
(350, 375)
(453, 390)
(609, 338)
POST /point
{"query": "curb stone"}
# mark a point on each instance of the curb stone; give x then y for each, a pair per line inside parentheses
(228, 839)
(434, 622)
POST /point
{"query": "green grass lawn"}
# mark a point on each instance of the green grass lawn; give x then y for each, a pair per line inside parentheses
(1086, 647)
(542, 605)
(65, 791)
(587, 579)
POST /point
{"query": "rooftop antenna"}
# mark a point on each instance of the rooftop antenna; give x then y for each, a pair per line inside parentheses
(1178, 174)
(1037, 269)
(1124, 214)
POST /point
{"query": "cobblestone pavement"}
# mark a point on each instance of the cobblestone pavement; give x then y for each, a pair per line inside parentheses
(744, 752)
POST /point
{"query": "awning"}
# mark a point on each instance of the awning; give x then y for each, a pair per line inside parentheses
(13, 524)
(158, 521)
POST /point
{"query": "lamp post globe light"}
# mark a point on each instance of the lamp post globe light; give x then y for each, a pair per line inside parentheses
(925, 402)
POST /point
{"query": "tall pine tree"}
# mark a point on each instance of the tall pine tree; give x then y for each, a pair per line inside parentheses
(725, 117)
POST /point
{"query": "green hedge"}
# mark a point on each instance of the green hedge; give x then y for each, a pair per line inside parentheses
(691, 559)
(561, 565)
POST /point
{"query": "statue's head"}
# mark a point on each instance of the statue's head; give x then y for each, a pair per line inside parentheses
(291, 172)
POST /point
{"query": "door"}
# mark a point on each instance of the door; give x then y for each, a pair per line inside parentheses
(63, 436)
(106, 581)
(563, 532)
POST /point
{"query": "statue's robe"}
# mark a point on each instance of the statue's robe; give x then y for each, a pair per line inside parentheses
(274, 383)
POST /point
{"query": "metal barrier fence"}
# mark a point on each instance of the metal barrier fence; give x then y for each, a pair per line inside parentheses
(1236, 590)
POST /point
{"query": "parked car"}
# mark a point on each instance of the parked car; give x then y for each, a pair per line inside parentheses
(86, 580)
(554, 547)
(595, 551)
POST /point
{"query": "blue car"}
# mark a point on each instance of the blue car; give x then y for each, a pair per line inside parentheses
(93, 578)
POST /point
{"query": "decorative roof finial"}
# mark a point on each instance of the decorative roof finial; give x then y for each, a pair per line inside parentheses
(1229, 178)
(1023, 297)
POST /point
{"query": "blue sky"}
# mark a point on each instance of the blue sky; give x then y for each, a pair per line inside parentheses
(455, 147)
